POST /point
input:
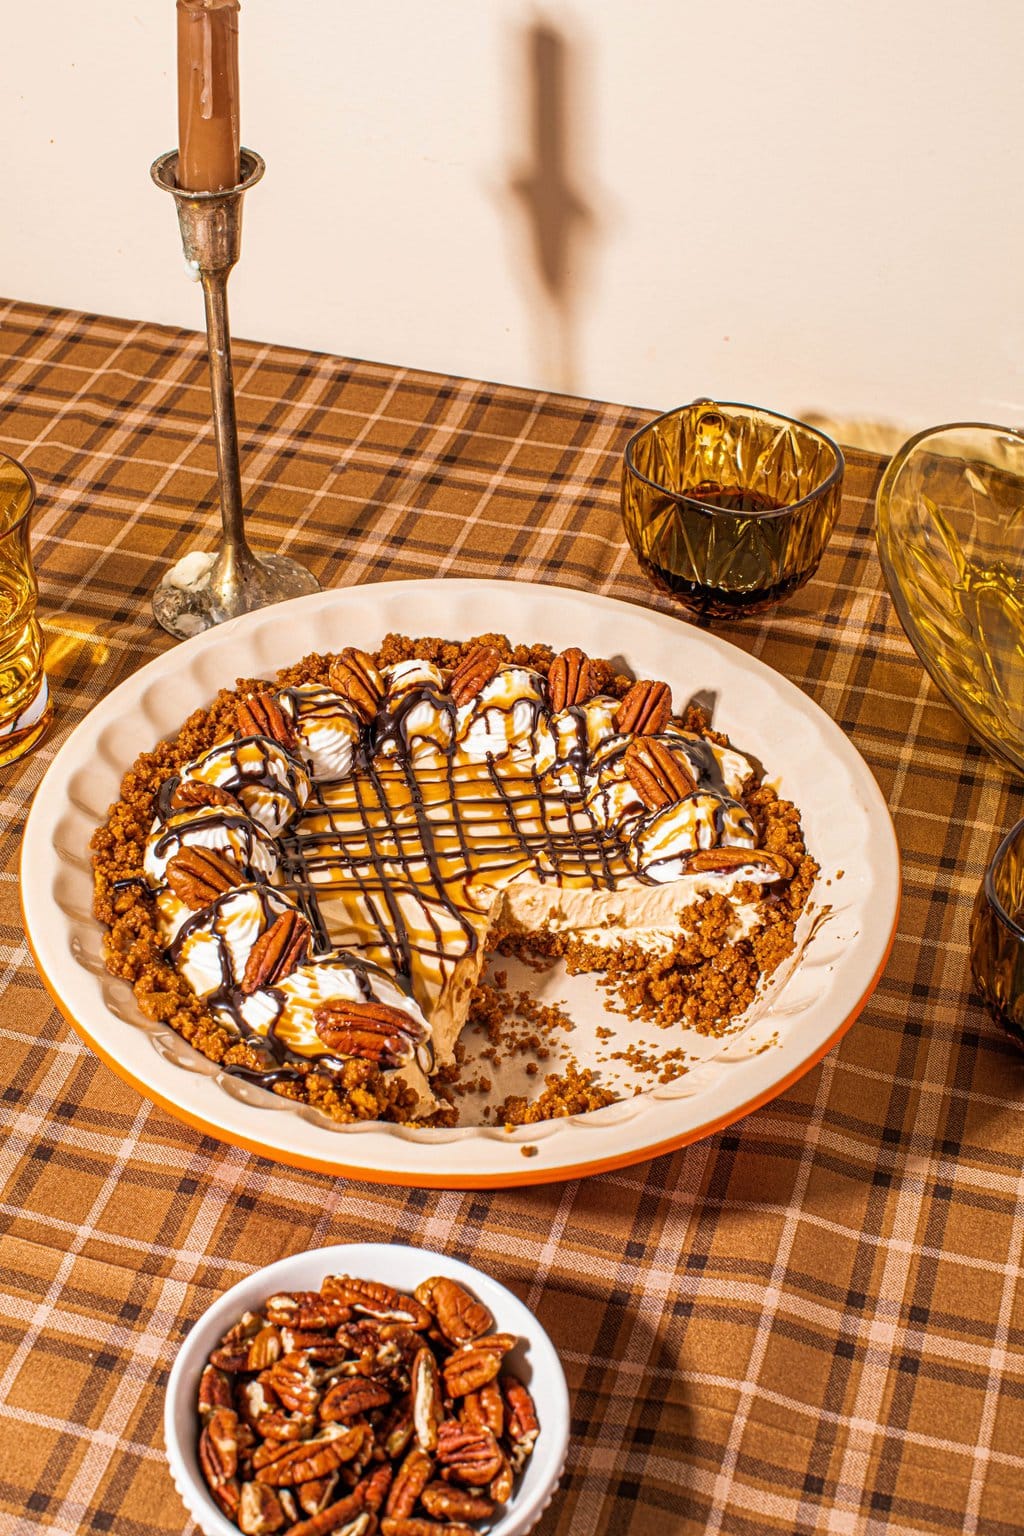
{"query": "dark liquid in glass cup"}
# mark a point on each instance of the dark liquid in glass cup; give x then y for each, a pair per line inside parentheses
(722, 601)
(728, 508)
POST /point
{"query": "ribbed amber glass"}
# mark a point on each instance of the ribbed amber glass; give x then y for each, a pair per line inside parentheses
(728, 508)
(950, 530)
(24, 697)
(997, 935)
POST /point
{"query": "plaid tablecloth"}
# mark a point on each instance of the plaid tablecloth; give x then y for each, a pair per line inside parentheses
(811, 1322)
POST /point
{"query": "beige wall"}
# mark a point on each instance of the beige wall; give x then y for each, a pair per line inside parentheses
(814, 204)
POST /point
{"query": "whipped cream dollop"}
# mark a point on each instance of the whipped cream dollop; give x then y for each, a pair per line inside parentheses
(270, 783)
(212, 949)
(565, 742)
(505, 714)
(217, 827)
(327, 727)
(712, 766)
(416, 714)
(660, 845)
(611, 796)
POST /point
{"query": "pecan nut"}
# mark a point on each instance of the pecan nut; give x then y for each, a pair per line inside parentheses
(473, 1456)
(226, 1496)
(722, 860)
(259, 1510)
(427, 1408)
(375, 1299)
(247, 1327)
(471, 1366)
(294, 1382)
(306, 1310)
(197, 876)
(265, 1349)
(485, 1407)
(259, 714)
(460, 1316)
(188, 794)
(354, 675)
(500, 1487)
(315, 1458)
(277, 952)
(570, 680)
(521, 1423)
(283, 1432)
(214, 1392)
(232, 1358)
(646, 709)
(312, 1340)
(344, 1515)
(313, 1498)
(657, 774)
(448, 1503)
(373, 1031)
(255, 1402)
(350, 1398)
(396, 1432)
(473, 673)
(218, 1447)
(373, 1488)
(410, 1480)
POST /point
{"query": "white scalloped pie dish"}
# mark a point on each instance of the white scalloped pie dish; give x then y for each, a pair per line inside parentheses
(534, 1360)
(845, 939)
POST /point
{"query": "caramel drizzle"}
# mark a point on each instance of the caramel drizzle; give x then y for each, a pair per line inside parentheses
(346, 840)
(417, 833)
(223, 819)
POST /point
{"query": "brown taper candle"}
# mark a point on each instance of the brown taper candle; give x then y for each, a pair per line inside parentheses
(207, 95)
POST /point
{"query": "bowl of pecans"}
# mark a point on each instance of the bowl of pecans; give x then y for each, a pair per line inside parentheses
(368, 1389)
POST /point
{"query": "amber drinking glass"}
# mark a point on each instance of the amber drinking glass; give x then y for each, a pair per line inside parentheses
(24, 697)
(727, 507)
(997, 935)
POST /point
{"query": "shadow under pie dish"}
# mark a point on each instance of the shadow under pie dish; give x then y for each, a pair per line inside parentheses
(812, 999)
(336, 852)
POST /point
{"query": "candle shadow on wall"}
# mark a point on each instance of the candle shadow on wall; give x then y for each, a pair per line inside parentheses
(548, 214)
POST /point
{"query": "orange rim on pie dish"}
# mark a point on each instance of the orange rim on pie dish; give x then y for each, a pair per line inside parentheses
(329, 878)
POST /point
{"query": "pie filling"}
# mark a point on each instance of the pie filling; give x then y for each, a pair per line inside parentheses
(329, 876)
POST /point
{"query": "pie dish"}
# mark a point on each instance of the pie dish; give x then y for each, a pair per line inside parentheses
(842, 948)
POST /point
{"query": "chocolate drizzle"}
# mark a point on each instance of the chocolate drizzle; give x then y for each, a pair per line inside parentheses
(396, 843)
(389, 731)
(236, 825)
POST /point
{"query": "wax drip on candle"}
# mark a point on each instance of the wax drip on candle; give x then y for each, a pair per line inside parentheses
(206, 88)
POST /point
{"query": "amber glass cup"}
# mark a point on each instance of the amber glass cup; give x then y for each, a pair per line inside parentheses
(24, 696)
(728, 508)
(997, 935)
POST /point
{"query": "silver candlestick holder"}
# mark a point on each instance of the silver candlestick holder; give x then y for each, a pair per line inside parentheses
(205, 589)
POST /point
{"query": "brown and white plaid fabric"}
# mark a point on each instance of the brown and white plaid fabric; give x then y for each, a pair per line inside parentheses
(812, 1322)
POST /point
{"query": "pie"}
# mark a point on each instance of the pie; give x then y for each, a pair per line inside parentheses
(308, 881)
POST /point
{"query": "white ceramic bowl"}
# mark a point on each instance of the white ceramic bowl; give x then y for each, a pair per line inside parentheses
(534, 1360)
